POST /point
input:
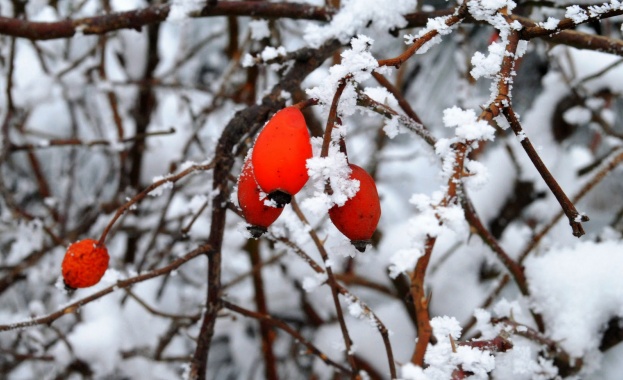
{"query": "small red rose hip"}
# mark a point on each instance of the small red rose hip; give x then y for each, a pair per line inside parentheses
(358, 217)
(255, 212)
(280, 155)
(84, 264)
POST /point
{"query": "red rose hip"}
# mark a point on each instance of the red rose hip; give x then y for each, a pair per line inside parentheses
(280, 155)
(84, 264)
(255, 212)
(358, 217)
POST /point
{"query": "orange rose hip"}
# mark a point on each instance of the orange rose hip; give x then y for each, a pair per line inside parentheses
(84, 264)
(255, 212)
(280, 155)
(358, 217)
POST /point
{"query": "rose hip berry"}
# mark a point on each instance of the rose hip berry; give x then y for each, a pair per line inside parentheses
(255, 212)
(358, 217)
(280, 155)
(84, 264)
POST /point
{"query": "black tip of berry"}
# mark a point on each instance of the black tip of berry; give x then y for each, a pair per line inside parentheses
(280, 197)
(360, 244)
(256, 231)
(68, 288)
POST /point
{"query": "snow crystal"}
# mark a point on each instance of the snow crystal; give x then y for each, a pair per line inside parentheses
(259, 29)
(439, 24)
(522, 47)
(270, 52)
(158, 191)
(443, 358)
(429, 44)
(381, 95)
(453, 218)
(581, 295)
(484, 325)
(391, 127)
(310, 283)
(577, 115)
(488, 66)
(468, 126)
(247, 60)
(356, 310)
(521, 363)
(445, 326)
(318, 203)
(403, 261)
(478, 175)
(521, 136)
(488, 9)
(550, 24)
(577, 14)
(506, 309)
(334, 170)
(344, 247)
(358, 64)
(411, 371)
(357, 15)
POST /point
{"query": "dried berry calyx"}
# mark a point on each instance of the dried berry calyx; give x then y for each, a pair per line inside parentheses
(84, 264)
(280, 155)
(255, 211)
(358, 217)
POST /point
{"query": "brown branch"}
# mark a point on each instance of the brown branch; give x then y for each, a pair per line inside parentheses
(140, 196)
(75, 306)
(334, 288)
(364, 100)
(292, 332)
(347, 294)
(136, 19)
(566, 364)
(379, 325)
(334, 117)
(459, 14)
(268, 335)
(590, 184)
(498, 344)
(535, 31)
(404, 104)
(243, 122)
(568, 208)
(78, 142)
(420, 302)
(513, 267)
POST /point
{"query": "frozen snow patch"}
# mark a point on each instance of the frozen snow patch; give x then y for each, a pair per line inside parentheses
(578, 290)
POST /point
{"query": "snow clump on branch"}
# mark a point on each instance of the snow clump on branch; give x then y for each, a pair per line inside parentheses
(357, 64)
(355, 16)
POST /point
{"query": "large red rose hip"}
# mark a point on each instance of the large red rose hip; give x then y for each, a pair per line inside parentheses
(84, 264)
(280, 155)
(358, 217)
(255, 212)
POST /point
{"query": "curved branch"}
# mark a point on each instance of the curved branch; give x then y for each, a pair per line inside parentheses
(136, 19)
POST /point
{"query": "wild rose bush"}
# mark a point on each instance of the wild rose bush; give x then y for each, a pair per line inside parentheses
(491, 128)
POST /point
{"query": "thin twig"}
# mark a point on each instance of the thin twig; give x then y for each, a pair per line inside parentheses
(575, 218)
(285, 327)
(140, 196)
(75, 306)
(333, 285)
